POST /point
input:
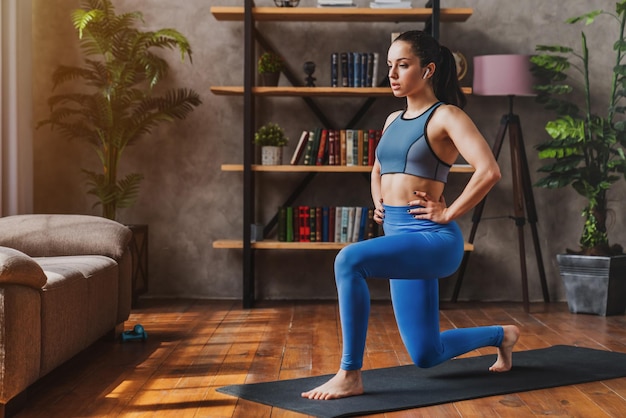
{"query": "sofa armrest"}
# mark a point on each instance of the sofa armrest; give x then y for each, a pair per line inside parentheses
(63, 235)
(18, 268)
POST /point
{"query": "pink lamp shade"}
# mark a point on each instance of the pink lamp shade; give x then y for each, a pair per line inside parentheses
(503, 75)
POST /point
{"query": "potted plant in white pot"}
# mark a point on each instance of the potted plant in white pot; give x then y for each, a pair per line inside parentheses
(272, 139)
(587, 151)
(110, 104)
(269, 67)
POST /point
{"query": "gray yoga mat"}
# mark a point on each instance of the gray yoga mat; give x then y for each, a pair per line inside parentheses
(407, 387)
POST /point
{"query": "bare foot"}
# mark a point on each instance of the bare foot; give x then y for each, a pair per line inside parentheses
(345, 383)
(505, 351)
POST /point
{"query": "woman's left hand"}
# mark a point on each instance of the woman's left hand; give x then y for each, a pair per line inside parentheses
(428, 208)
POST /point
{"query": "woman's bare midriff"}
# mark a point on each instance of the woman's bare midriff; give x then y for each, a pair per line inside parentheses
(397, 188)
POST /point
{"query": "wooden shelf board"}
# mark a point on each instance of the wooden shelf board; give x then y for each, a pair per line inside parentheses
(340, 14)
(280, 245)
(456, 168)
(310, 91)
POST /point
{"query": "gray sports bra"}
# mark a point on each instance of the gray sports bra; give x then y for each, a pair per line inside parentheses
(404, 148)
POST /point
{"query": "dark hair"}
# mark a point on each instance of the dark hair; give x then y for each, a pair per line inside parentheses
(445, 80)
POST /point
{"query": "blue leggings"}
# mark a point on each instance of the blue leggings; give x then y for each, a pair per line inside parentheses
(414, 254)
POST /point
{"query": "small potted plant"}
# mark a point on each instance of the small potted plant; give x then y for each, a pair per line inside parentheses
(587, 150)
(272, 139)
(269, 67)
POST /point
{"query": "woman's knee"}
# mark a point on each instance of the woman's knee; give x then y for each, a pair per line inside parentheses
(349, 261)
(425, 358)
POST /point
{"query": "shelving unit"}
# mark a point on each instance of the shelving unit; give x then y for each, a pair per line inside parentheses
(431, 16)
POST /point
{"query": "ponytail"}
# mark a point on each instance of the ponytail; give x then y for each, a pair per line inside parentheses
(445, 80)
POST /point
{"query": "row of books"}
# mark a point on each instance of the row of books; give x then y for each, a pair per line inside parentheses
(326, 224)
(348, 147)
(354, 69)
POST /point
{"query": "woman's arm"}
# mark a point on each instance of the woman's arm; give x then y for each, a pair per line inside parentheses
(472, 146)
(474, 149)
(377, 196)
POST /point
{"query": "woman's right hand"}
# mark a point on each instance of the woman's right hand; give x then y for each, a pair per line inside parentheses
(379, 212)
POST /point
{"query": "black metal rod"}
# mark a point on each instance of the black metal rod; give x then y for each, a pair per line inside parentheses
(248, 156)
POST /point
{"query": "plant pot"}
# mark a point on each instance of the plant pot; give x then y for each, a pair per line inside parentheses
(271, 155)
(594, 284)
(270, 79)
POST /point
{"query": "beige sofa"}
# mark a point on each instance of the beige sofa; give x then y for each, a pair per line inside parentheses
(65, 281)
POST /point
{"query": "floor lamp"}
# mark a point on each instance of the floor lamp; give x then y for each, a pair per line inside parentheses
(509, 75)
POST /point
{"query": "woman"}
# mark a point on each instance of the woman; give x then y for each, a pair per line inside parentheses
(422, 241)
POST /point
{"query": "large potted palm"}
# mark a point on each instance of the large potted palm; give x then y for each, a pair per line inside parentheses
(110, 103)
(587, 151)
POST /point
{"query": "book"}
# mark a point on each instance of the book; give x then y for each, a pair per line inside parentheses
(322, 148)
(357, 223)
(356, 72)
(375, 80)
(343, 58)
(350, 147)
(338, 215)
(303, 222)
(332, 147)
(363, 225)
(300, 147)
(289, 218)
(393, 5)
(282, 224)
(350, 227)
(335, 3)
(310, 154)
(334, 69)
(343, 237)
(312, 225)
(369, 80)
(318, 224)
(360, 144)
(363, 70)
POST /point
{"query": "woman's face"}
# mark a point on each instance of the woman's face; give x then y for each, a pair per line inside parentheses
(406, 74)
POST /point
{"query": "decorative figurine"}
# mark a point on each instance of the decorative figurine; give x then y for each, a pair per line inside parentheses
(309, 69)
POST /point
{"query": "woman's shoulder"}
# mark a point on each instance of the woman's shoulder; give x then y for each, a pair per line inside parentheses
(447, 110)
(393, 116)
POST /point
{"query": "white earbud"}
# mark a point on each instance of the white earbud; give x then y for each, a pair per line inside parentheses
(426, 74)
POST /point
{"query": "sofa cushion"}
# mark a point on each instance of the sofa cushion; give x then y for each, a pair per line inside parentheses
(62, 235)
(18, 268)
(79, 304)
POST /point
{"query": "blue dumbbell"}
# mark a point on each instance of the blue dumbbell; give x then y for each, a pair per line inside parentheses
(137, 333)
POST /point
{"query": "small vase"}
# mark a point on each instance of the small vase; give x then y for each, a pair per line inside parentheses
(271, 155)
(270, 79)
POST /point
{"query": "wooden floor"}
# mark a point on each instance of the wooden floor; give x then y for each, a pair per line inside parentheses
(195, 347)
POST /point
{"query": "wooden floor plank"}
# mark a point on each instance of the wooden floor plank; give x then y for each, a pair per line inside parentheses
(197, 346)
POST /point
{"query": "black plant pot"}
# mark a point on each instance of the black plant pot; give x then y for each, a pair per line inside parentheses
(593, 284)
(270, 79)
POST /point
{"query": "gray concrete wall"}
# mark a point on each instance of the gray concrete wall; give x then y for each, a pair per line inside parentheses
(189, 202)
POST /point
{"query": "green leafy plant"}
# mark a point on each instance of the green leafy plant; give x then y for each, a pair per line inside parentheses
(270, 134)
(270, 63)
(112, 104)
(586, 149)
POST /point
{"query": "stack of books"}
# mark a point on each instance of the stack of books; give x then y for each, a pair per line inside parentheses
(391, 4)
(345, 147)
(326, 224)
(335, 3)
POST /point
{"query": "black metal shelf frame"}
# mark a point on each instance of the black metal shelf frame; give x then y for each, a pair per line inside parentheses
(251, 37)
